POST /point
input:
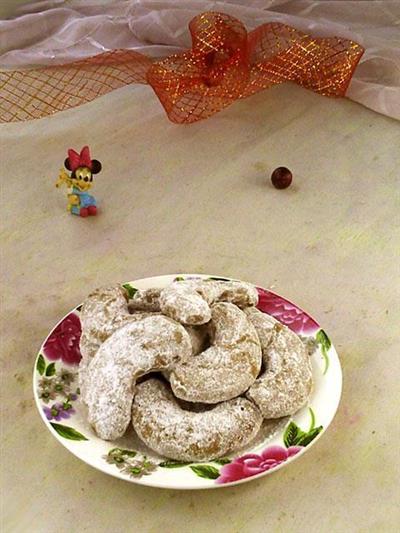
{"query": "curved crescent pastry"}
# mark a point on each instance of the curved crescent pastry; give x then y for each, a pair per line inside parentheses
(226, 369)
(133, 350)
(287, 383)
(184, 435)
(188, 301)
(103, 312)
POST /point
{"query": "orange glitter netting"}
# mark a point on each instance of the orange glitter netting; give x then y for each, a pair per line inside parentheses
(225, 63)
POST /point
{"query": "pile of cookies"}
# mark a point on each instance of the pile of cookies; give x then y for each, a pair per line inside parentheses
(195, 366)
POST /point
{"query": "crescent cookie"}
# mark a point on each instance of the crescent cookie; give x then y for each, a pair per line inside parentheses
(186, 301)
(133, 350)
(228, 367)
(104, 311)
(183, 435)
(239, 293)
(286, 385)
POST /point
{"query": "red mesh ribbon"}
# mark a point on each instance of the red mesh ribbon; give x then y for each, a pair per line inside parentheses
(224, 64)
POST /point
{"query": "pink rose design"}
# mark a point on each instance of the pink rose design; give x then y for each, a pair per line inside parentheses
(286, 313)
(63, 342)
(252, 464)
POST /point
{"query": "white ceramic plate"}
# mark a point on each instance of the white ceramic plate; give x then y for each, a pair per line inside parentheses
(277, 445)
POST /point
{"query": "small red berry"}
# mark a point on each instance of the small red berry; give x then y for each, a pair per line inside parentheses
(281, 178)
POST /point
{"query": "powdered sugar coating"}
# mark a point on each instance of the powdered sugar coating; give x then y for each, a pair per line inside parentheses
(89, 345)
(102, 312)
(198, 338)
(239, 293)
(186, 301)
(226, 369)
(135, 349)
(145, 300)
(286, 386)
(182, 303)
(163, 425)
(264, 325)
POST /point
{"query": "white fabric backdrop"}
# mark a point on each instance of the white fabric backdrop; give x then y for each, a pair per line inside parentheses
(54, 31)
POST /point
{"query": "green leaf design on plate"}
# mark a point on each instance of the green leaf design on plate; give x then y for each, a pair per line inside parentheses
(172, 464)
(310, 436)
(51, 369)
(67, 432)
(129, 289)
(40, 365)
(121, 451)
(312, 423)
(222, 461)
(179, 278)
(325, 343)
(135, 470)
(292, 435)
(206, 471)
(323, 339)
(219, 279)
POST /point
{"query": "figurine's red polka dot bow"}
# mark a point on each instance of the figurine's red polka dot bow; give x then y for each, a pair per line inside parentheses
(224, 64)
(79, 160)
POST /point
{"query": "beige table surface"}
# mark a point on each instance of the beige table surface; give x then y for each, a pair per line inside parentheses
(197, 199)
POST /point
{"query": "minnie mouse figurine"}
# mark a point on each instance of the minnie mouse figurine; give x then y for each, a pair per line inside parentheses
(82, 168)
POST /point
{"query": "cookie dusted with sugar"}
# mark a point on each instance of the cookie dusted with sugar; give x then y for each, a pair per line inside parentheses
(239, 293)
(286, 384)
(180, 434)
(103, 312)
(228, 367)
(212, 290)
(184, 304)
(135, 349)
(188, 301)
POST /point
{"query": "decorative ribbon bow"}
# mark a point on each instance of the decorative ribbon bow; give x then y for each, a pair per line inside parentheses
(224, 64)
(79, 160)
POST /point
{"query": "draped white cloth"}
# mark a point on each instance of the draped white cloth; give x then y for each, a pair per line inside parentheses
(60, 31)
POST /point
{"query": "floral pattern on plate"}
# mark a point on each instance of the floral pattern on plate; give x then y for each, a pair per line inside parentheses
(63, 342)
(57, 387)
(286, 312)
(297, 320)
